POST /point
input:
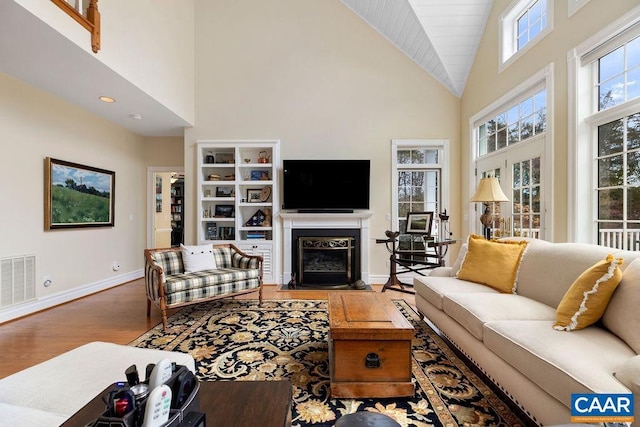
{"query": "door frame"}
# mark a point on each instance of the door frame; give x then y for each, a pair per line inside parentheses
(151, 199)
(543, 77)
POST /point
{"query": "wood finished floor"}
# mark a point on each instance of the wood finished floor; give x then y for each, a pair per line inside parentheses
(116, 315)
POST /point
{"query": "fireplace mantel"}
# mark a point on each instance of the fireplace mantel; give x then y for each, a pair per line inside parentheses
(355, 220)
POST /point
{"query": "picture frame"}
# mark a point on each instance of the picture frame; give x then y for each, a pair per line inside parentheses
(77, 196)
(259, 175)
(254, 195)
(226, 191)
(224, 211)
(419, 223)
(211, 231)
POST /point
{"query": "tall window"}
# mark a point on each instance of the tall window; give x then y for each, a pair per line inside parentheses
(419, 170)
(618, 185)
(511, 144)
(523, 24)
(606, 82)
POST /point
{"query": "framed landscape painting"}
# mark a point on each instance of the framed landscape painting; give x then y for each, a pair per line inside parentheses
(419, 223)
(77, 195)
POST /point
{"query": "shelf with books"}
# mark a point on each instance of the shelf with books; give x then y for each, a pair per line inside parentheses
(238, 192)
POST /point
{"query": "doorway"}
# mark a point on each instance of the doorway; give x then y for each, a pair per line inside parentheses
(521, 172)
(165, 206)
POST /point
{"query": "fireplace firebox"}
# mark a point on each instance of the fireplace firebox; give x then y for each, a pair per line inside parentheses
(325, 259)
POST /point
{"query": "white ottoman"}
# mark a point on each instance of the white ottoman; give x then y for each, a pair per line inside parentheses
(50, 392)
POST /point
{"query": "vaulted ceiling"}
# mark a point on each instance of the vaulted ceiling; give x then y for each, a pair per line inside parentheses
(441, 36)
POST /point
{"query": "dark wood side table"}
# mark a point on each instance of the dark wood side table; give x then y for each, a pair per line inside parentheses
(413, 261)
(225, 403)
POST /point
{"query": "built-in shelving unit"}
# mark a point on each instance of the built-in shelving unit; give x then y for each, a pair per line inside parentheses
(177, 212)
(238, 196)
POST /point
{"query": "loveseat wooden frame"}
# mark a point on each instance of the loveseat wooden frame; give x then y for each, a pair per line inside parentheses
(154, 277)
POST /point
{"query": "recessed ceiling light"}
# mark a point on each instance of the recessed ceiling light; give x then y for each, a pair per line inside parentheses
(135, 116)
(107, 99)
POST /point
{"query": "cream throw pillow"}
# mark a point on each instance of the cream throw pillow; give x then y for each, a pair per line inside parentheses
(198, 258)
(493, 263)
(621, 316)
(586, 299)
(455, 268)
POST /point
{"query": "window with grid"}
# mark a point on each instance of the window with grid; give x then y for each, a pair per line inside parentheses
(531, 23)
(519, 122)
(418, 167)
(526, 192)
(618, 184)
(607, 141)
(523, 24)
(511, 143)
(619, 75)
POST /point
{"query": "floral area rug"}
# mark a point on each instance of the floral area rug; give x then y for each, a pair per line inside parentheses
(287, 339)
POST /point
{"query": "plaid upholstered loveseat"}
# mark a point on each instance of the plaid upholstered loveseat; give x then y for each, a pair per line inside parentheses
(169, 286)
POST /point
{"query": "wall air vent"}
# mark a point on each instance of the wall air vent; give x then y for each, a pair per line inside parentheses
(17, 280)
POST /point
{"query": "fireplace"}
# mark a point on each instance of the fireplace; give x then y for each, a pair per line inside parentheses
(354, 225)
(326, 258)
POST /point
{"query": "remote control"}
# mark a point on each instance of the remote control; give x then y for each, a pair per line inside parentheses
(161, 373)
(158, 406)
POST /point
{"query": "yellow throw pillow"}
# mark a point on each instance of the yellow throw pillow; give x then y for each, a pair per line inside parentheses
(587, 298)
(493, 263)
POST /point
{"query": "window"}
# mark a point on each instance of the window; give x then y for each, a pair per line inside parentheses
(618, 184)
(511, 144)
(523, 24)
(518, 122)
(420, 179)
(604, 171)
(531, 23)
(619, 75)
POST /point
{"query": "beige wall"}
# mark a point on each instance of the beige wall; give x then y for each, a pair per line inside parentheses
(148, 42)
(167, 151)
(315, 76)
(36, 125)
(486, 85)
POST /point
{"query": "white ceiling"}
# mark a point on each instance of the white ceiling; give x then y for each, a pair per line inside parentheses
(441, 36)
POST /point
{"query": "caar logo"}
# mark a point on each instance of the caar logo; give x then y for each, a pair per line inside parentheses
(601, 408)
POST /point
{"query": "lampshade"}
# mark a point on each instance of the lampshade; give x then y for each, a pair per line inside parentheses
(489, 191)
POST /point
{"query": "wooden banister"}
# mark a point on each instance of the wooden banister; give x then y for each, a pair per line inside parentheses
(91, 22)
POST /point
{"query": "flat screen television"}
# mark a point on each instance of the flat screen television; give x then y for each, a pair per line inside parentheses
(326, 185)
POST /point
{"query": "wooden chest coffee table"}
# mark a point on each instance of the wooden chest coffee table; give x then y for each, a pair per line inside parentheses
(369, 346)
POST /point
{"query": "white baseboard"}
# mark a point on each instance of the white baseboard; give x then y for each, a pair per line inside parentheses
(30, 307)
(404, 277)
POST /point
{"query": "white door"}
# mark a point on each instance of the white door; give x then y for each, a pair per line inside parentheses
(520, 170)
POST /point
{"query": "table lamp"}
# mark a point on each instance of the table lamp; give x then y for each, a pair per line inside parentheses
(488, 191)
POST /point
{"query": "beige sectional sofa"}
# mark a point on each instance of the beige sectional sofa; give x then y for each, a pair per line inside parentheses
(511, 336)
